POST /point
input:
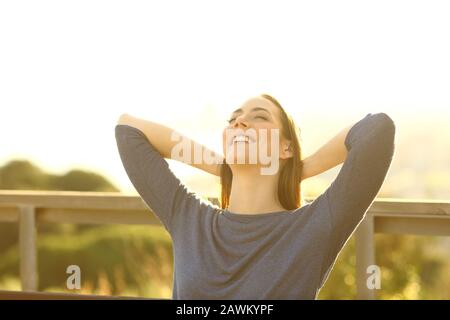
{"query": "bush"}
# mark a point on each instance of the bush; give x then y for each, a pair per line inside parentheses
(114, 260)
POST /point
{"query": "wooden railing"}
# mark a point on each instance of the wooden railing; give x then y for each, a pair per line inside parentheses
(393, 216)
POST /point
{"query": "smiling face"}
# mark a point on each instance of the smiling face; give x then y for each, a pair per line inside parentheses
(254, 130)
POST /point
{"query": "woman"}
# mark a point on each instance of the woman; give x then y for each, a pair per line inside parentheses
(262, 243)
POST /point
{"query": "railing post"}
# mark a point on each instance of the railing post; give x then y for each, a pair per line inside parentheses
(27, 247)
(365, 256)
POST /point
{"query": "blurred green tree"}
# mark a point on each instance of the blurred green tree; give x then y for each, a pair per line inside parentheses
(24, 175)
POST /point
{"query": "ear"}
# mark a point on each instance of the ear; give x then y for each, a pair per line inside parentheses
(286, 149)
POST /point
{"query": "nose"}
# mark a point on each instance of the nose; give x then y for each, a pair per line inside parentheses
(240, 122)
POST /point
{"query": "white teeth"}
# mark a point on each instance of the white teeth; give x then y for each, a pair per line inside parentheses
(241, 139)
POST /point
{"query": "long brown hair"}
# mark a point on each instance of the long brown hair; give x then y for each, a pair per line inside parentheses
(289, 192)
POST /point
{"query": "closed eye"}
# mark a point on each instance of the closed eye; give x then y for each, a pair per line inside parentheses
(257, 117)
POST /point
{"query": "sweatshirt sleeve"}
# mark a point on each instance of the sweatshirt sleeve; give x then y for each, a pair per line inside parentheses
(370, 145)
(151, 176)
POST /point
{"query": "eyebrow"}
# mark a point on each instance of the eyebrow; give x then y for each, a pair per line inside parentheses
(252, 110)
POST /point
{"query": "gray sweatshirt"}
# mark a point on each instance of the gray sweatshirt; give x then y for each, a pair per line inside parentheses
(289, 254)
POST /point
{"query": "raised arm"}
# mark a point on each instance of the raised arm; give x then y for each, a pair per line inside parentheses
(326, 157)
(370, 145)
(160, 137)
(152, 178)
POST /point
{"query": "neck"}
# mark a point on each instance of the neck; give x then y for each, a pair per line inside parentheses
(253, 193)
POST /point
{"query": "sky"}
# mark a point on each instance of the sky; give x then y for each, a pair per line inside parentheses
(68, 69)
